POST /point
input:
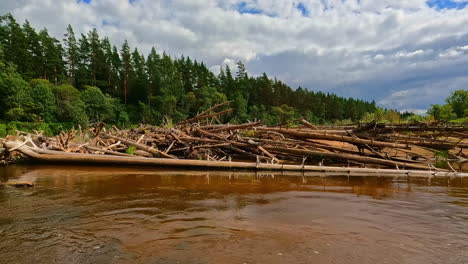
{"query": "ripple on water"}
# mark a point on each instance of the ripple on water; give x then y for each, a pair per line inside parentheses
(124, 216)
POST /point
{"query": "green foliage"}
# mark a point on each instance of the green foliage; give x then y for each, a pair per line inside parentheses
(392, 116)
(16, 114)
(98, 106)
(442, 112)
(12, 127)
(70, 108)
(459, 102)
(284, 113)
(248, 133)
(49, 129)
(44, 100)
(441, 159)
(456, 107)
(131, 150)
(3, 130)
(14, 93)
(119, 112)
(343, 122)
(412, 118)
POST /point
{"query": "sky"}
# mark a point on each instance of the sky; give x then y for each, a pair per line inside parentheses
(404, 54)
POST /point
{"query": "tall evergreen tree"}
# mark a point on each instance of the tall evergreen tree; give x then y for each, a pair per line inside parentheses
(153, 69)
(83, 73)
(53, 65)
(138, 82)
(115, 73)
(126, 69)
(15, 45)
(71, 54)
(36, 51)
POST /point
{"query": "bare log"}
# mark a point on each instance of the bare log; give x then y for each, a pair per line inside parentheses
(342, 156)
(310, 135)
(209, 134)
(308, 124)
(108, 151)
(58, 156)
(152, 150)
(200, 116)
(273, 157)
(235, 127)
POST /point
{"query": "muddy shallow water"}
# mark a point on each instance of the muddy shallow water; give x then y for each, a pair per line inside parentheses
(124, 215)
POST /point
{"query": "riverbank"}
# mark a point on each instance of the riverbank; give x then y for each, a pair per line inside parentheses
(204, 142)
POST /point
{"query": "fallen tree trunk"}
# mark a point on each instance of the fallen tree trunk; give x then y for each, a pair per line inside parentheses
(200, 116)
(235, 127)
(425, 129)
(108, 151)
(64, 157)
(346, 157)
(308, 124)
(311, 135)
(140, 146)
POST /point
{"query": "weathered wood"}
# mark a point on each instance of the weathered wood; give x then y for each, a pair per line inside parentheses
(215, 114)
(235, 127)
(311, 135)
(152, 150)
(209, 134)
(108, 151)
(308, 124)
(342, 156)
(360, 145)
(273, 157)
(202, 114)
(58, 156)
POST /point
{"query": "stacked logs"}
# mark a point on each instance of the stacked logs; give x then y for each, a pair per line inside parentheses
(204, 137)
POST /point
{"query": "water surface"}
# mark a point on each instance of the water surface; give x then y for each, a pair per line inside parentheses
(125, 215)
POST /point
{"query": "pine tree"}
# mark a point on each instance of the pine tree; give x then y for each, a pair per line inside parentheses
(53, 65)
(15, 44)
(115, 70)
(35, 50)
(138, 82)
(126, 69)
(71, 54)
(97, 60)
(107, 66)
(153, 64)
(83, 74)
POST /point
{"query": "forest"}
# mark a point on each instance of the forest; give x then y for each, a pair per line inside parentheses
(85, 79)
(56, 84)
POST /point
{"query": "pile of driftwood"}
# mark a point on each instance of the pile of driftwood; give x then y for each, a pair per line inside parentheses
(204, 141)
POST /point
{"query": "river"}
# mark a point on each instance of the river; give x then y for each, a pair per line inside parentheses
(128, 215)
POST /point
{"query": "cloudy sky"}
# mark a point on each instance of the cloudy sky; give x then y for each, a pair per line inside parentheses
(405, 54)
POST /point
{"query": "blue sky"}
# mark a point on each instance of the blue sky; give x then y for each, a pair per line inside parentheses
(402, 54)
(447, 4)
(243, 8)
(303, 9)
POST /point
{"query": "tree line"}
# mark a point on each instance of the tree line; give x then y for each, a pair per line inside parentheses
(85, 78)
(456, 107)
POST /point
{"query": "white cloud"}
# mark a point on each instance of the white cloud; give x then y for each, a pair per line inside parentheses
(362, 48)
(417, 94)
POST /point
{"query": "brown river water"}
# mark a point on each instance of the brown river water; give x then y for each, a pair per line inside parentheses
(128, 215)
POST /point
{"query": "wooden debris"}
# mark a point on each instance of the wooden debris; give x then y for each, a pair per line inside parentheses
(375, 145)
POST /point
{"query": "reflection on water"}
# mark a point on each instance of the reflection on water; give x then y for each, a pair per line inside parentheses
(109, 215)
